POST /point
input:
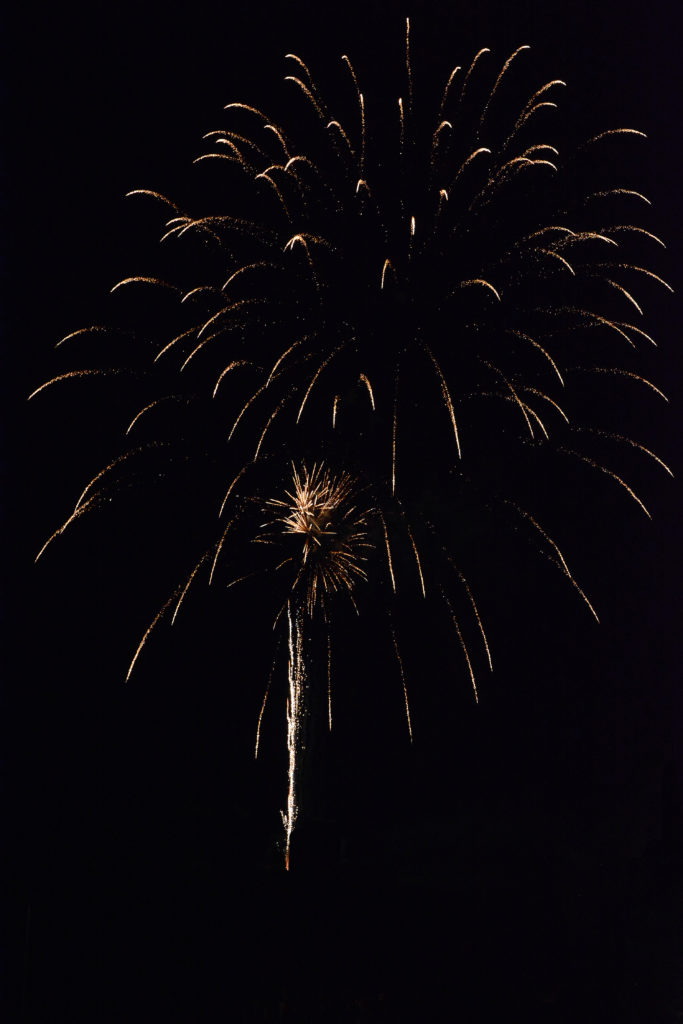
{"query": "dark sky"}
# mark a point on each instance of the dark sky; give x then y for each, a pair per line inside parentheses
(139, 812)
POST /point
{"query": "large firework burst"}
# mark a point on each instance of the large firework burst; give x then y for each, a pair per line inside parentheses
(415, 297)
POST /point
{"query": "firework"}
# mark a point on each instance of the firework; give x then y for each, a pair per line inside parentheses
(406, 294)
(314, 544)
(322, 516)
(333, 532)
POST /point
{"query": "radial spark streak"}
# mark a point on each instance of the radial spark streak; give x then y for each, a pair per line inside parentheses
(399, 659)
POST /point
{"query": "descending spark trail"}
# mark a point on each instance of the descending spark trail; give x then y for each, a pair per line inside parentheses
(329, 681)
(399, 659)
(463, 645)
(69, 376)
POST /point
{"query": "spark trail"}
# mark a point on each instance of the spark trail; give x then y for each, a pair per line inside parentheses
(296, 675)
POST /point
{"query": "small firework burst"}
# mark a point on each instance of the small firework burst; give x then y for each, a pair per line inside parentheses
(322, 513)
(321, 510)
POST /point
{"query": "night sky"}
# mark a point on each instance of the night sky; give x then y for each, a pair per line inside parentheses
(523, 855)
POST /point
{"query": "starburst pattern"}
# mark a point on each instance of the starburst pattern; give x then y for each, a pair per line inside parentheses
(321, 512)
(417, 294)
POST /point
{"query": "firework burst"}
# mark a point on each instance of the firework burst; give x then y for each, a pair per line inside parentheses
(418, 294)
(321, 513)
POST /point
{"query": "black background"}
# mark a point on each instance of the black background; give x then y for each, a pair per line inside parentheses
(522, 856)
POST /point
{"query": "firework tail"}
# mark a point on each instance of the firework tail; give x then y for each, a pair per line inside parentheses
(296, 714)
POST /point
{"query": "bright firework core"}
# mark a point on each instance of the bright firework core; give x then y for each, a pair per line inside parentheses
(321, 509)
